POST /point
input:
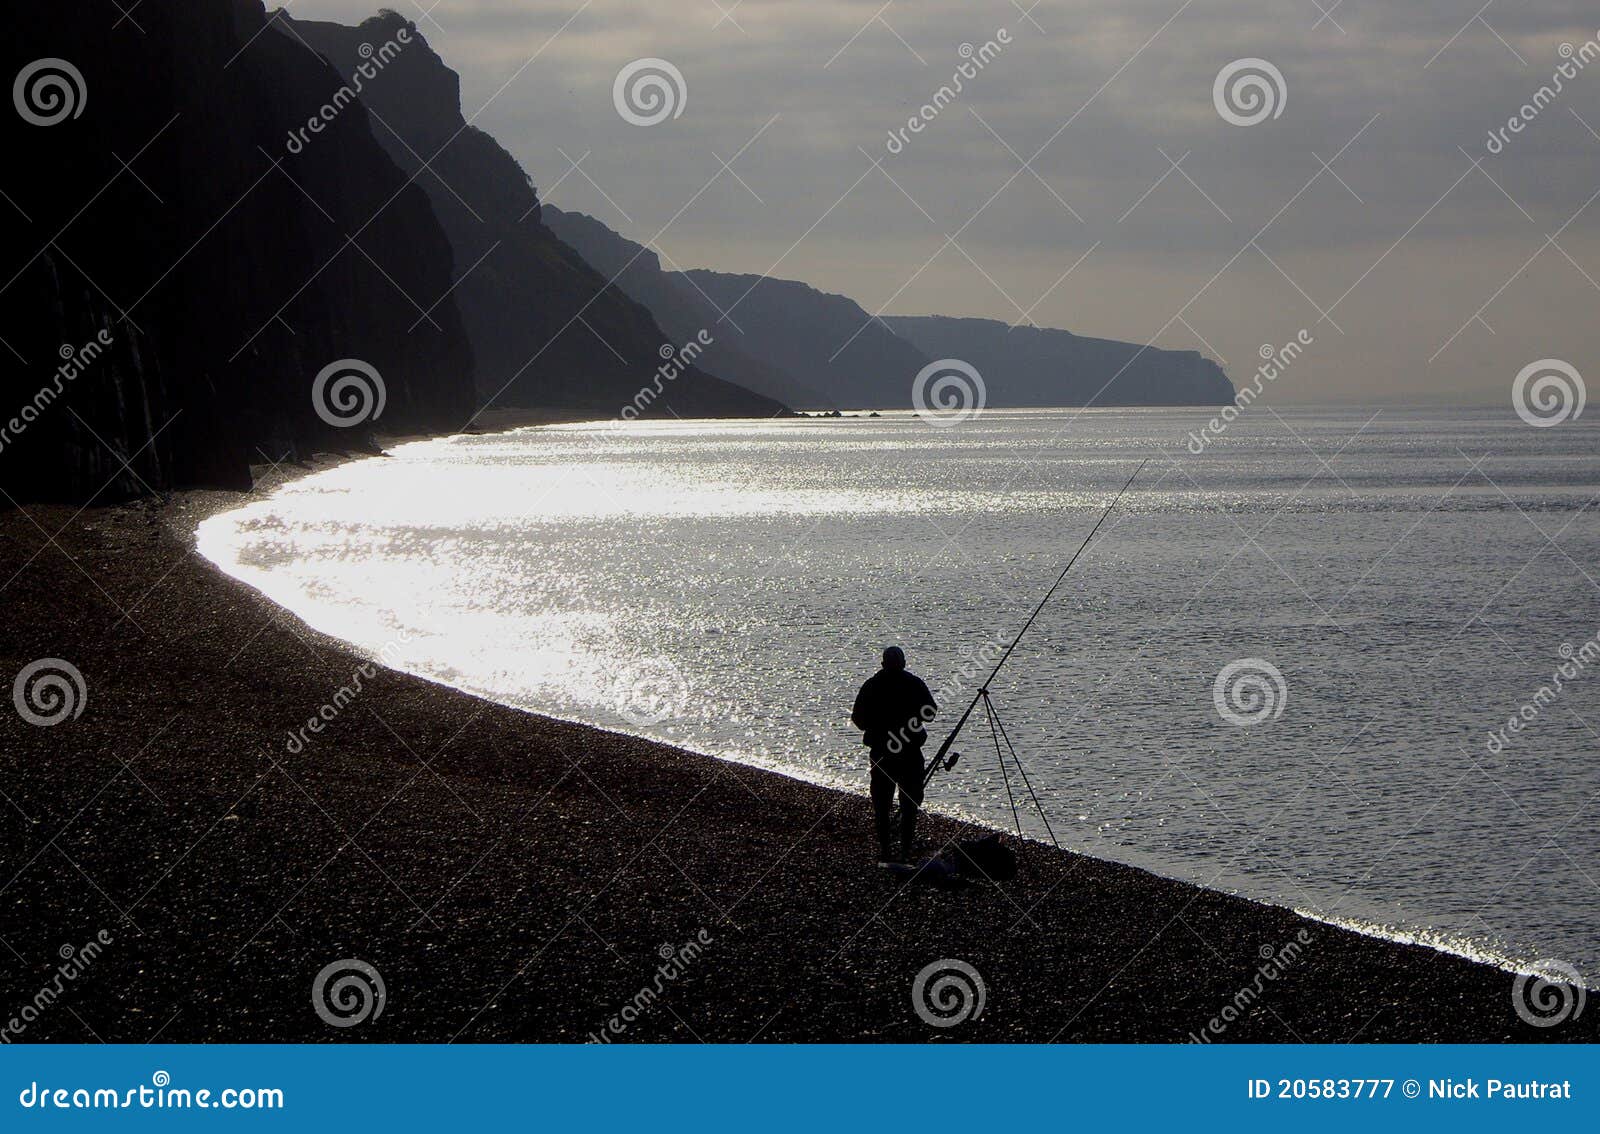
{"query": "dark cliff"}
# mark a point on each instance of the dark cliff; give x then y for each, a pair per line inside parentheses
(680, 309)
(168, 215)
(846, 354)
(1038, 366)
(815, 350)
(547, 328)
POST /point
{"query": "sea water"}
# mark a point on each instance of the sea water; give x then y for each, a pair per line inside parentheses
(1286, 668)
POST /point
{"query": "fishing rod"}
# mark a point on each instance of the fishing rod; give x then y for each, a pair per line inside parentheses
(982, 695)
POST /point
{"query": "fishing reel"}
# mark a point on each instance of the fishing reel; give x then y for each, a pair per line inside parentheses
(943, 760)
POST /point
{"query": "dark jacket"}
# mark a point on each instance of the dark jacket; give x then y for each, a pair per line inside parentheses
(891, 710)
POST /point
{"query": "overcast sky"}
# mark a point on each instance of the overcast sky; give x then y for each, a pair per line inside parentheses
(1408, 266)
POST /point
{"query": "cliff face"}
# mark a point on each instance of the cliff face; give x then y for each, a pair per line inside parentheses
(786, 328)
(225, 270)
(680, 309)
(850, 357)
(545, 326)
(1038, 366)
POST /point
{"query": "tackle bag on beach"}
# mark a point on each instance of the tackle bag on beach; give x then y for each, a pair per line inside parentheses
(988, 858)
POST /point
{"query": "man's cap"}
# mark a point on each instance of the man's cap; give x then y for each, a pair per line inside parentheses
(894, 656)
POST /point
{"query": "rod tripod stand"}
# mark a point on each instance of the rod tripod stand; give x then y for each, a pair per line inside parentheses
(945, 758)
(1003, 750)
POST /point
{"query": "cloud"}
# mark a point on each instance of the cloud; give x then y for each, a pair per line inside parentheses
(1388, 256)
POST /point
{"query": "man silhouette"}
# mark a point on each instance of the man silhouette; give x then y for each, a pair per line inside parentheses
(892, 711)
